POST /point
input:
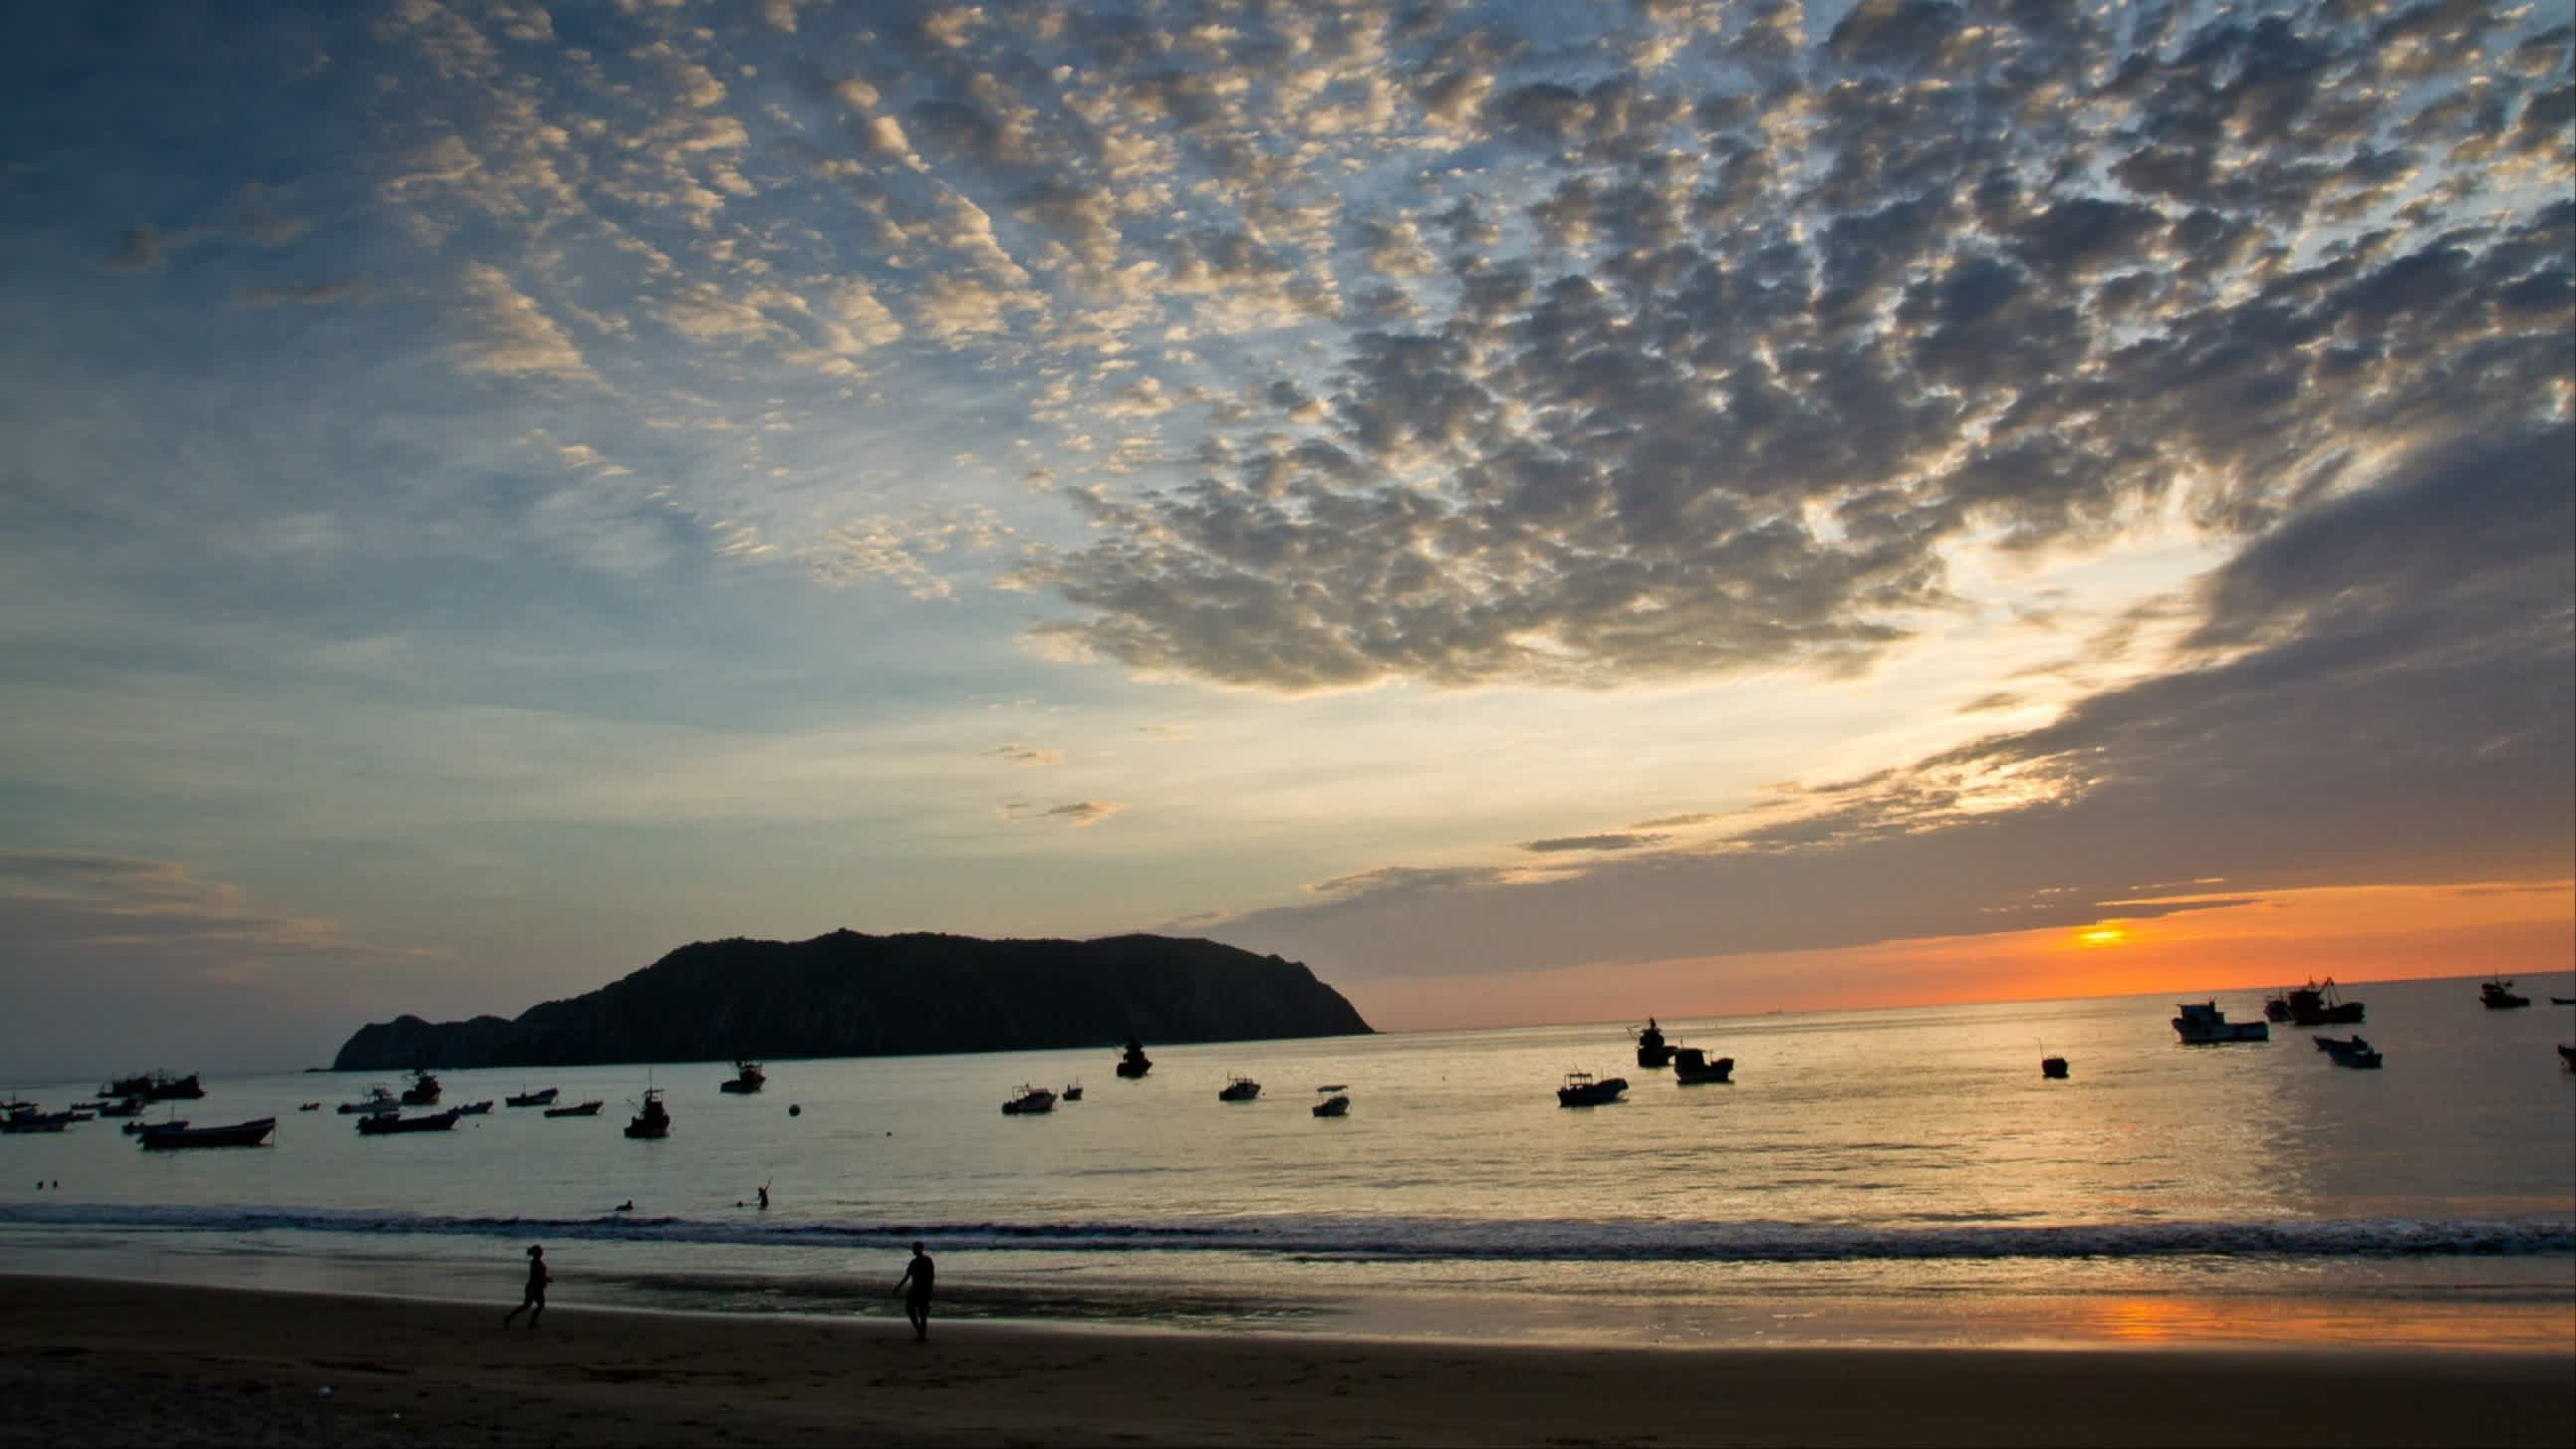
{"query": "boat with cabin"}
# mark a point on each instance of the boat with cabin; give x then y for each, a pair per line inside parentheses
(585, 1109)
(1073, 1091)
(476, 1109)
(1029, 1100)
(2203, 1024)
(2349, 1051)
(423, 1091)
(2053, 1068)
(130, 1107)
(2315, 1004)
(747, 1078)
(654, 1121)
(19, 1123)
(1652, 1052)
(386, 1124)
(2497, 994)
(379, 1101)
(172, 1136)
(1336, 1104)
(1133, 1062)
(1693, 1065)
(155, 1086)
(1582, 1089)
(1238, 1089)
(541, 1097)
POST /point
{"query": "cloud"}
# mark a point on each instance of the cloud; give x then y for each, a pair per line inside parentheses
(1028, 756)
(1082, 814)
(140, 249)
(519, 339)
(2377, 690)
(1605, 843)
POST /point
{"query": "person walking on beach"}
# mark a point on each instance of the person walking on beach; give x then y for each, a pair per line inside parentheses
(534, 1304)
(915, 1288)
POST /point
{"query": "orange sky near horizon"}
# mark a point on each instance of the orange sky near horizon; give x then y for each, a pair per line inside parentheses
(2351, 933)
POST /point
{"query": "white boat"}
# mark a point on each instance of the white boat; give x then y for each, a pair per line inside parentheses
(379, 1101)
(2203, 1024)
(1029, 1099)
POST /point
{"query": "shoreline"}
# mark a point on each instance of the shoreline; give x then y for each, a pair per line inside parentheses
(92, 1361)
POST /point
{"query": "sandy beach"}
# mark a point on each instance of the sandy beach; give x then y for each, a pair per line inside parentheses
(87, 1362)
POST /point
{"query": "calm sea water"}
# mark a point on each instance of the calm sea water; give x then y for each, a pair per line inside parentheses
(1900, 1176)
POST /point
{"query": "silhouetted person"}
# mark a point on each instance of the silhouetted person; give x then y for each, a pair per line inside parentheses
(764, 1197)
(915, 1287)
(534, 1304)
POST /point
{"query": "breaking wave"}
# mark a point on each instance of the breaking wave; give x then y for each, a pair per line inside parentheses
(1406, 1239)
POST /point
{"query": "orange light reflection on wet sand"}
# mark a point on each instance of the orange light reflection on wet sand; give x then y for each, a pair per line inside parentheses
(2307, 1323)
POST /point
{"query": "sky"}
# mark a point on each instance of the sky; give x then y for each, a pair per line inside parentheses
(1540, 512)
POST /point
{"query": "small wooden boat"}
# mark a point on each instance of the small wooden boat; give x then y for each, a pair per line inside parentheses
(130, 1107)
(170, 1136)
(310, 1107)
(2562, 1001)
(476, 1109)
(1133, 1062)
(1336, 1105)
(1238, 1089)
(541, 1097)
(585, 1109)
(2349, 1052)
(1029, 1100)
(747, 1078)
(25, 1122)
(137, 1129)
(1691, 1066)
(652, 1123)
(382, 1124)
(1582, 1089)
(2053, 1068)
(1072, 1092)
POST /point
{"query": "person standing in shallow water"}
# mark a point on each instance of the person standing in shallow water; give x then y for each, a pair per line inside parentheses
(915, 1288)
(534, 1304)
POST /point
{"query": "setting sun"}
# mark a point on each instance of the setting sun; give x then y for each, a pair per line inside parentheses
(2103, 935)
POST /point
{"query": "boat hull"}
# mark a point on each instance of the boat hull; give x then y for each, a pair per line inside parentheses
(180, 1136)
(1592, 1094)
(388, 1125)
(586, 1109)
(1333, 1107)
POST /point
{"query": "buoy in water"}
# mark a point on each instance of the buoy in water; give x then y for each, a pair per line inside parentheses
(793, 1110)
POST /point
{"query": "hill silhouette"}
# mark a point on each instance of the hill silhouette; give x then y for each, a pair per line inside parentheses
(849, 994)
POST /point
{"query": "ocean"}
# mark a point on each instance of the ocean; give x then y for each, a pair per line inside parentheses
(1899, 1177)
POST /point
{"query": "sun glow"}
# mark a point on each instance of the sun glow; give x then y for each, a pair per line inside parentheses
(2109, 933)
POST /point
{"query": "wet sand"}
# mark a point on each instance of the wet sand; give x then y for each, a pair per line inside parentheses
(85, 1362)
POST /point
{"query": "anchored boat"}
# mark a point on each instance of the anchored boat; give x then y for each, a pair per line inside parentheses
(2203, 1024)
(1581, 1089)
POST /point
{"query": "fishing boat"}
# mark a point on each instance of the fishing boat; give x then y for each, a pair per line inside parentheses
(1073, 1091)
(379, 1101)
(137, 1129)
(130, 1107)
(155, 1086)
(423, 1091)
(170, 1136)
(2203, 1024)
(1651, 1050)
(2053, 1068)
(747, 1078)
(1338, 1104)
(541, 1097)
(2349, 1051)
(2315, 1004)
(24, 1122)
(475, 1109)
(1029, 1100)
(1692, 1066)
(1133, 1062)
(310, 1107)
(2562, 1001)
(585, 1109)
(382, 1124)
(652, 1123)
(1581, 1089)
(1238, 1089)
(2497, 994)
(2567, 1055)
